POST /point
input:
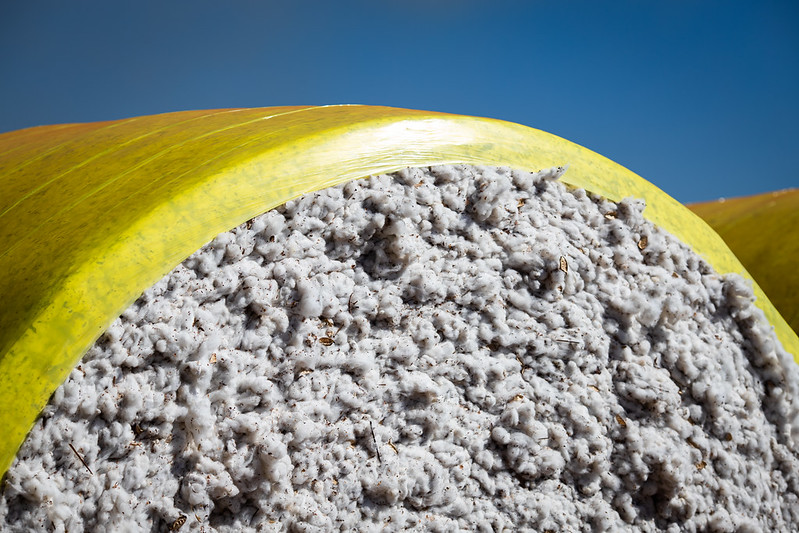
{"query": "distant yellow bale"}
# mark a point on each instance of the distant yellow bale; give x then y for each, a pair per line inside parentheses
(763, 231)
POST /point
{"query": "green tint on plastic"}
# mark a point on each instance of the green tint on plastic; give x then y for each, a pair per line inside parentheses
(91, 215)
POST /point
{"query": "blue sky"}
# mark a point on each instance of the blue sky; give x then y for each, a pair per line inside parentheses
(699, 97)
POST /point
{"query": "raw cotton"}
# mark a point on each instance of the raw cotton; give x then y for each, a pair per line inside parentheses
(442, 349)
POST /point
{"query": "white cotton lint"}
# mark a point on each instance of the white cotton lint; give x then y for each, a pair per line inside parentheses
(442, 349)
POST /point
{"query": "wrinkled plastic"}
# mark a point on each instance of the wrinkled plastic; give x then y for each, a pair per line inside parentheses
(93, 214)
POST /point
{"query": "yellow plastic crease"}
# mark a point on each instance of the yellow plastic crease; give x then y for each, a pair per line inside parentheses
(93, 214)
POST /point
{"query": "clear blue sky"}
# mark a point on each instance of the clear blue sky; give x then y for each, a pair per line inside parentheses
(699, 97)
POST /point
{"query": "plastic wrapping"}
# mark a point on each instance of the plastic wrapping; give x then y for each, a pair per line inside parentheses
(93, 214)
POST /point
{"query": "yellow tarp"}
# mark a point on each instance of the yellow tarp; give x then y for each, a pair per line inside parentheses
(763, 232)
(93, 214)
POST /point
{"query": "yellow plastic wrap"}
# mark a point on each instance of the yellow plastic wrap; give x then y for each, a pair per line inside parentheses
(91, 215)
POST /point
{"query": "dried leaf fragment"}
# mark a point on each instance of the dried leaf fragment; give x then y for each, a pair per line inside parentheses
(643, 242)
(212, 360)
(177, 524)
(563, 265)
(701, 465)
(610, 215)
(326, 341)
(621, 421)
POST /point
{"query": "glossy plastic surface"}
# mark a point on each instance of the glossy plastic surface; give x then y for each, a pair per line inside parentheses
(93, 214)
